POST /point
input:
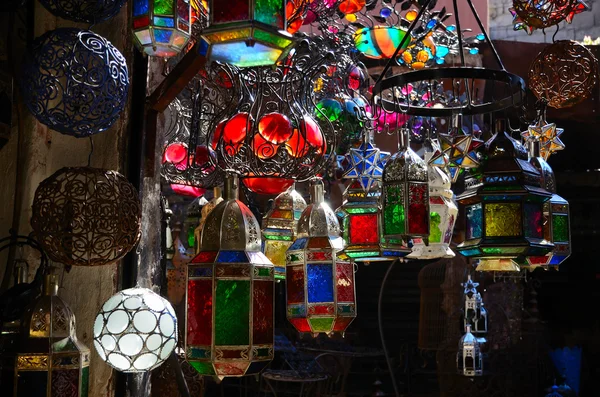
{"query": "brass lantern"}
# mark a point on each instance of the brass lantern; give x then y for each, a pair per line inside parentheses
(230, 294)
(279, 227)
(50, 362)
(469, 359)
(206, 209)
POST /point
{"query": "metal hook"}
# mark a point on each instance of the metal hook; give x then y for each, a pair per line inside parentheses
(91, 152)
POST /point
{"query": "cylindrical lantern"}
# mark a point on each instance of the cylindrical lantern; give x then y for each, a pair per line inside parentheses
(206, 209)
(246, 32)
(161, 28)
(320, 286)
(230, 294)
(50, 362)
(469, 359)
(504, 212)
(279, 227)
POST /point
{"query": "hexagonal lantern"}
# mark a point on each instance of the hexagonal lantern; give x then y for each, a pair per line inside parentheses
(320, 286)
(280, 225)
(230, 294)
(247, 32)
(504, 212)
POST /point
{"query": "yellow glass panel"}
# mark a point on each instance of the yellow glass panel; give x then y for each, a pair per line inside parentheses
(503, 220)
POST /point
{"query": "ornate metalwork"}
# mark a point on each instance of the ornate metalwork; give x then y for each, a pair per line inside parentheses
(86, 216)
(163, 384)
(84, 10)
(529, 15)
(563, 74)
(75, 82)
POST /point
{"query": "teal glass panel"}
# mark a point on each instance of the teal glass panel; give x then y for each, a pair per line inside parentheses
(474, 216)
(270, 12)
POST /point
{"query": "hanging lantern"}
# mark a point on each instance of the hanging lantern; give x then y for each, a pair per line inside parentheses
(542, 14)
(135, 330)
(546, 134)
(320, 286)
(75, 82)
(280, 225)
(230, 294)
(50, 360)
(504, 212)
(84, 10)
(469, 359)
(555, 214)
(247, 32)
(161, 28)
(206, 209)
(474, 312)
(442, 216)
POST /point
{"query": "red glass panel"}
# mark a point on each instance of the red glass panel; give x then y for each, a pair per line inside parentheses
(199, 312)
(320, 309)
(232, 368)
(345, 282)
(436, 200)
(301, 324)
(141, 22)
(228, 11)
(262, 320)
(205, 257)
(418, 213)
(318, 242)
(363, 229)
(295, 284)
(538, 260)
(234, 353)
(342, 323)
(318, 256)
(183, 10)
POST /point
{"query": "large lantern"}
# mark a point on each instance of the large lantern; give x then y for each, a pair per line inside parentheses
(504, 212)
(247, 32)
(161, 28)
(279, 227)
(51, 361)
(320, 286)
(230, 294)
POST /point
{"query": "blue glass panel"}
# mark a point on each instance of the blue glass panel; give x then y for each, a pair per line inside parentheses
(196, 352)
(471, 252)
(162, 36)
(140, 7)
(298, 244)
(164, 22)
(474, 221)
(232, 256)
(200, 272)
(320, 282)
(203, 47)
(557, 259)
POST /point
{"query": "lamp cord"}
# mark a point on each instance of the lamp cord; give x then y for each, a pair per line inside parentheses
(380, 320)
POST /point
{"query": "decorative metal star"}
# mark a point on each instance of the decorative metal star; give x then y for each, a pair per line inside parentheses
(365, 163)
(548, 135)
(438, 158)
(461, 148)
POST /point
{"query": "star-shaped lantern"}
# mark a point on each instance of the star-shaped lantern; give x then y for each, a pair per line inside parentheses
(548, 135)
(461, 148)
(439, 158)
(365, 164)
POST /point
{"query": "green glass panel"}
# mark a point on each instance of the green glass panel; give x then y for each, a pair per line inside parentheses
(163, 7)
(279, 276)
(294, 258)
(232, 312)
(345, 309)
(321, 324)
(191, 237)
(264, 272)
(502, 250)
(271, 39)
(435, 234)
(502, 219)
(360, 210)
(560, 228)
(263, 352)
(295, 311)
(269, 12)
(362, 254)
(85, 381)
(394, 220)
(278, 237)
(203, 368)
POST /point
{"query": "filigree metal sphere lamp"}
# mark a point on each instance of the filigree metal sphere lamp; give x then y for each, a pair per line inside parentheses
(280, 226)
(135, 330)
(230, 294)
(75, 82)
(50, 360)
(90, 11)
(161, 28)
(86, 216)
(320, 286)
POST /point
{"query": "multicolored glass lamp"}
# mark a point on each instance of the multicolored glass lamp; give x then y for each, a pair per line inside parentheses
(320, 286)
(556, 214)
(279, 227)
(50, 361)
(161, 28)
(247, 32)
(504, 212)
(230, 294)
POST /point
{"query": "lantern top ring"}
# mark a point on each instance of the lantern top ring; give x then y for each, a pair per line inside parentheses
(511, 86)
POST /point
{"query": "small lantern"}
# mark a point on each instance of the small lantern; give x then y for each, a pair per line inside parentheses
(247, 32)
(230, 294)
(474, 312)
(469, 359)
(279, 227)
(556, 215)
(161, 28)
(320, 286)
(206, 209)
(504, 212)
(50, 360)
(442, 216)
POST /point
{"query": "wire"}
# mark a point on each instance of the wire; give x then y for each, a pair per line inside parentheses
(380, 320)
(91, 152)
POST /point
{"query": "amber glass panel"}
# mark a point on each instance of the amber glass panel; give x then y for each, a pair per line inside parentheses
(503, 219)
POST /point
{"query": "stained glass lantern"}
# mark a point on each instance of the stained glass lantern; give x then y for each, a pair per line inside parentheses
(247, 32)
(161, 28)
(556, 215)
(542, 14)
(473, 313)
(469, 359)
(50, 360)
(504, 212)
(405, 196)
(442, 216)
(90, 11)
(320, 286)
(75, 82)
(230, 294)
(206, 209)
(135, 330)
(280, 225)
